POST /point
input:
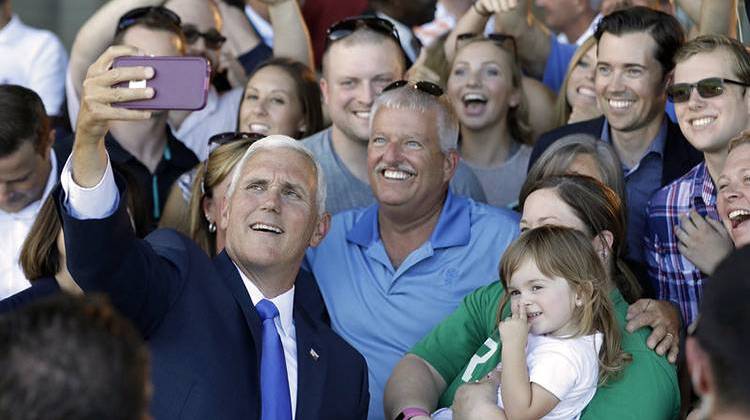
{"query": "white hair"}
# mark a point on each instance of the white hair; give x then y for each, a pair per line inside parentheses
(278, 141)
(416, 100)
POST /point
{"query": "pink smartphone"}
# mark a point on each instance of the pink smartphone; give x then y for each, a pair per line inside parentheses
(178, 82)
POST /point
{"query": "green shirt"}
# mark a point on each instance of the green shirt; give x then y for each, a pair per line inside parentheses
(466, 346)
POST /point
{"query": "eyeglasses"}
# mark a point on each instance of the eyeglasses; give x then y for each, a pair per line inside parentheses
(346, 27)
(222, 139)
(213, 38)
(707, 88)
(136, 15)
(505, 41)
(422, 86)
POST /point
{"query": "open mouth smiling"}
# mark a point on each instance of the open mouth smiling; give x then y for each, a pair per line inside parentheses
(701, 122)
(739, 216)
(263, 227)
(474, 101)
(397, 174)
(532, 315)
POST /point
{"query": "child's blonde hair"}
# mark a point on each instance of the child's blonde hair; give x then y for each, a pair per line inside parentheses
(566, 253)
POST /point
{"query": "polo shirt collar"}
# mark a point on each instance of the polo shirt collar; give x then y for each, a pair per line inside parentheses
(453, 227)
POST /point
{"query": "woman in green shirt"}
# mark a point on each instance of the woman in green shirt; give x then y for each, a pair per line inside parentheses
(465, 347)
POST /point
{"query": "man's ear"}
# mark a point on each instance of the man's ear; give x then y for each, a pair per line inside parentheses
(224, 222)
(450, 164)
(46, 146)
(321, 229)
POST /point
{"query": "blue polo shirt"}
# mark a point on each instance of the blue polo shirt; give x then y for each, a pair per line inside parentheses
(383, 311)
(641, 182)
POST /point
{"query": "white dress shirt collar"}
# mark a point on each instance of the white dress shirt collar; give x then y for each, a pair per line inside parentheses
(284, 302)
(12, 29)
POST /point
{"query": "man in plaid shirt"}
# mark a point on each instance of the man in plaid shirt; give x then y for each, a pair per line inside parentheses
(684, 239)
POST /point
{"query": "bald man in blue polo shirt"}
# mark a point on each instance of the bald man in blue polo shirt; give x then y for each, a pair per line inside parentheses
(392, 271)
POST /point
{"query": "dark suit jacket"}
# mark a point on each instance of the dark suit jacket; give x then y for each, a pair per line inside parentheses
(202, 328)
(679, 155)
(40, 288)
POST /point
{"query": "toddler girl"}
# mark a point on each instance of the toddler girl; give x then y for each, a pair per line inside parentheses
(561, 338)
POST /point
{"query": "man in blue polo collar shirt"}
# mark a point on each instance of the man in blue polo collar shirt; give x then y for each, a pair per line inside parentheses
(390, 272)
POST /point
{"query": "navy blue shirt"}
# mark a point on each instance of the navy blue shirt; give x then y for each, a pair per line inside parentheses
(641, 181)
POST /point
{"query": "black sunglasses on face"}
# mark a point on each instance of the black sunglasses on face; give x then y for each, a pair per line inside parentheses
(134, 16)
(707, 88)
(505, 41)
(422, 86)
(213, 38)
(346, 27)
(221, 139)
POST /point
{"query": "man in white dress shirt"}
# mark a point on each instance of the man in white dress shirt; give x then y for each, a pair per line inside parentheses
(28, 171)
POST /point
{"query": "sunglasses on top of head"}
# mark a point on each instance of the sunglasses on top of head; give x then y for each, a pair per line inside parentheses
(505, 41)
(706, 88)
(422, 86)
(346, 27)
(222, 139)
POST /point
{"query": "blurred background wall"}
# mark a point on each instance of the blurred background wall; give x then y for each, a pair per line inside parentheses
(62, 17)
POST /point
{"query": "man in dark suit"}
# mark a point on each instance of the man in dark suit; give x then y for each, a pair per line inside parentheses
(233, 338)
(634, 63)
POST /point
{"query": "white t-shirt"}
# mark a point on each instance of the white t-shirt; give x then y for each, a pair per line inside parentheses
(567, 368)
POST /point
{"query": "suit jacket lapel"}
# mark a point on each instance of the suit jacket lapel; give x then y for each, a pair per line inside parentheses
(228, 272)
(312, 360)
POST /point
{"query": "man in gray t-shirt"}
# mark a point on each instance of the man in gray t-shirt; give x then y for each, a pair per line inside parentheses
(345, 191)
(361, 58)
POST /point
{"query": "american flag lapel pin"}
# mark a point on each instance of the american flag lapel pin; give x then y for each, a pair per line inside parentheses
(314, 354)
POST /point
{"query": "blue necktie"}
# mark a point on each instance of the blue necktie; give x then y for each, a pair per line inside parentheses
(274, 384)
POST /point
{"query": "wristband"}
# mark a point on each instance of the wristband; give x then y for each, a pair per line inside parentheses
(410, 412)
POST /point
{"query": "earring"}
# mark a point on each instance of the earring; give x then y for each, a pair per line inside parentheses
(604, 254)
(211, 224)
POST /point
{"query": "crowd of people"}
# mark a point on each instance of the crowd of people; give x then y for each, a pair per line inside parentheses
(469, 209)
